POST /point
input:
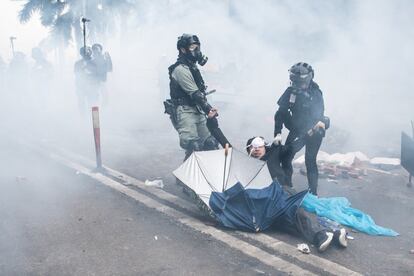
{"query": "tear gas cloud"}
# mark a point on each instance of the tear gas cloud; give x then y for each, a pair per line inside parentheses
(360, 50)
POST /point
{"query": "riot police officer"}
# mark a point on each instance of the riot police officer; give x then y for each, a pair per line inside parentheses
(301, 109)
(189, 105)
(86, 80)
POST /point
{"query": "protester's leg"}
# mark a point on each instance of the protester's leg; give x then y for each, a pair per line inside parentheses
(338, 230)
(308, 225)
(313, 144)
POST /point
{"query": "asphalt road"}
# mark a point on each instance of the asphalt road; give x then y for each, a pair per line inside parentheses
(385, 197)
(57, 222)
(54, 221)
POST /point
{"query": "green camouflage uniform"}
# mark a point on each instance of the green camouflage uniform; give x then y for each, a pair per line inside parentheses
(191, 120)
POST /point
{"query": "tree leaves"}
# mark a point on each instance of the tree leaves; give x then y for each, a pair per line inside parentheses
(62, 16)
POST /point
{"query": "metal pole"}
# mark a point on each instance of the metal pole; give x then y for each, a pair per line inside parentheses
(97, 136)
(84, 20)
(84, 34)
(226, 152)
(12, 38)
(410, 184)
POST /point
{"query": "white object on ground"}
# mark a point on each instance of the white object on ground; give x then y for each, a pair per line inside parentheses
(393, 162)
(342, 159)
(304, 248)
(155, 183)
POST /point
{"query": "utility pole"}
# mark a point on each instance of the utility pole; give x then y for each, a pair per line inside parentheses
(12, 39)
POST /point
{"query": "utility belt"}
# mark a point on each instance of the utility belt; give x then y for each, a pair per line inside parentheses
(182, 101)
(170, 108)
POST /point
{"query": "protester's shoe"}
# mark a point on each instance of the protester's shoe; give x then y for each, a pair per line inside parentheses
(323, 240)
(340, 237)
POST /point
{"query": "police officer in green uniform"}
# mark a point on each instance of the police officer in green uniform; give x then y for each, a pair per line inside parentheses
(188, 107)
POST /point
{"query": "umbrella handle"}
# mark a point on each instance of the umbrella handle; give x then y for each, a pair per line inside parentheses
(226, 149)
(226, 152)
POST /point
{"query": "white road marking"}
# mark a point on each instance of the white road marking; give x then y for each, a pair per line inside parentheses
(267, 241)
(218, 234)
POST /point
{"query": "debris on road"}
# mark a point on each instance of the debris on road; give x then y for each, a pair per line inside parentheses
(304, 248)
(412, 251)
(350, 237)
(155, 183)
(156, 238)
(349, 165)
(385, 163)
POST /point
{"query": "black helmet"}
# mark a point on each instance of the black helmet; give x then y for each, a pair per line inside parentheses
(86, 53)
(186, 40)
(301, 74)
(97, 47)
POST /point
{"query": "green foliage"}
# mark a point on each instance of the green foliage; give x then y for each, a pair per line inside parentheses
(62, 17)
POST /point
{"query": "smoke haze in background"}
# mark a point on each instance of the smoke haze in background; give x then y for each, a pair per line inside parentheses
(360, 51)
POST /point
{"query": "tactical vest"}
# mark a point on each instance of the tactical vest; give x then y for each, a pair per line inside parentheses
(303, 108)
(176, 92)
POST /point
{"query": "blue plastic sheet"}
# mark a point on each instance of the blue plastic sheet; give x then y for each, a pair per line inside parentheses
(339, 209)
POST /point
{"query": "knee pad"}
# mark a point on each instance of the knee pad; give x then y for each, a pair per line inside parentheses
(192, 146)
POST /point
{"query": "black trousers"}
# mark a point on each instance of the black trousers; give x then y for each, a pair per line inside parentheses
(305, 224)
(308, 225)
(312, 145)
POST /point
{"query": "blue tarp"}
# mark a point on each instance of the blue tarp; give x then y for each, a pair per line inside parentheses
(254, 209)
(339, 209)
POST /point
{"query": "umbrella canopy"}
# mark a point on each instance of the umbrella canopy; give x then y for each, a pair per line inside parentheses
(238, 189)
(205, 172)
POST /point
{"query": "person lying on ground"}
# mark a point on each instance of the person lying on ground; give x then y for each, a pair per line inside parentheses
(314, 229)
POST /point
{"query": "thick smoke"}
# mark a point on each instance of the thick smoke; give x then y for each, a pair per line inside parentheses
(360, 52)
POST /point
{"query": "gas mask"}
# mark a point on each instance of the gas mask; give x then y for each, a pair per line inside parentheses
(197, 56)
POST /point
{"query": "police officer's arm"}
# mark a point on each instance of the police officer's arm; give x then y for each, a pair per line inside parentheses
(282, 115)
(186, 81)
(319, 110)
(213, 127)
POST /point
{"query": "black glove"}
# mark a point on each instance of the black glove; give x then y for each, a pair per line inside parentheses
(200, 99)
(212, 123)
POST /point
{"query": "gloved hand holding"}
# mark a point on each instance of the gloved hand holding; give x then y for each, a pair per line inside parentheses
(278, 139)
(319, 125)
(213, 113)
